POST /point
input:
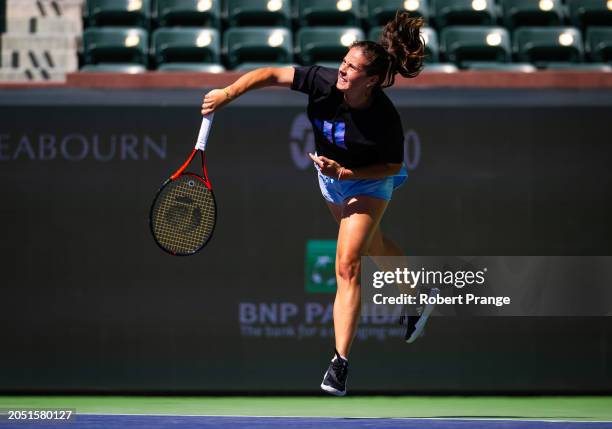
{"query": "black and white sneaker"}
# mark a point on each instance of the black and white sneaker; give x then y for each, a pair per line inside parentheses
(415, 325)
(334, 380)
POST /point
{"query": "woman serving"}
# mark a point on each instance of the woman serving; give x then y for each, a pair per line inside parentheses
(359, 144)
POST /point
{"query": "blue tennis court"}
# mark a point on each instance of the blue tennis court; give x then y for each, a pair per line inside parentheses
(309, 412)
(99, 421)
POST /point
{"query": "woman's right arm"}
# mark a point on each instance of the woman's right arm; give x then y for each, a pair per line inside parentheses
(259, 78)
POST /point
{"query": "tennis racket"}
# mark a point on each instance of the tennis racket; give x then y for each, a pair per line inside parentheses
(184, 211)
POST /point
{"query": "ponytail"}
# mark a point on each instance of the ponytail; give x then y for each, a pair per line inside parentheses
(400, 50)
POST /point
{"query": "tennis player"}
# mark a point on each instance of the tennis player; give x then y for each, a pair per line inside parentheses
(359, 157)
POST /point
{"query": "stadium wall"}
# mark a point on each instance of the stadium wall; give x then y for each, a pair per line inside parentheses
(90, 304)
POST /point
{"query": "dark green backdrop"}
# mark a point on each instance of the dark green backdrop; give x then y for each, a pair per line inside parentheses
(89, 303)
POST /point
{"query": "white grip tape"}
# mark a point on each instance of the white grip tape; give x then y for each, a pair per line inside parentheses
(204, 131)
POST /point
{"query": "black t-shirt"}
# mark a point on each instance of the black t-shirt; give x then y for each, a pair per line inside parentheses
(352, 137)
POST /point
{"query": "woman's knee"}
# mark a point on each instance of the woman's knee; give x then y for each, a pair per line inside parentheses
(348, 266)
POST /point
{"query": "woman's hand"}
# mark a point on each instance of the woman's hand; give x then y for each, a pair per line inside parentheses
(214, 100)
(328, 167)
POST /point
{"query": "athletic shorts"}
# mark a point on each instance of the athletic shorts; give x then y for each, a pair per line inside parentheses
(337, 191)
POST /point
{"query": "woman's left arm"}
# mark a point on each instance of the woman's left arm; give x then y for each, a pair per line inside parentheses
(331, 168)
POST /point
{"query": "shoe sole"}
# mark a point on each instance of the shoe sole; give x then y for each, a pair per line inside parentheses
(420, 325)
(331, 390)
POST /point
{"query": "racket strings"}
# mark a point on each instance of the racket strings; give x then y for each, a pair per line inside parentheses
(184, 215)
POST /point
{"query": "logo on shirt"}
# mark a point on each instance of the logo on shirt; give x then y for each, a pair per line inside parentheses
(333, 131)
(302, 141)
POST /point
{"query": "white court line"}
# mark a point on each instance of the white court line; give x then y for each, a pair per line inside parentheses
(469, 419)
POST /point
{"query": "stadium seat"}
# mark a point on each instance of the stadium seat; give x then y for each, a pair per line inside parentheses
(440, 68)
(326, 44)
(594, 67)
(186, 45)
(379, 12)
(513, 67)
(599, 44)
(463, 45)
(2, 15)
(328, 12)
(191, 67)
(271, 13)
(253, 44)
(432, 46)
(115, 45)
(465, 12)
(520, 13)
(114, 68)
(252, 66)
(329, 64)
(132, 13)
(584, 13)
(375, 33)
(205, 13)
(541, 45)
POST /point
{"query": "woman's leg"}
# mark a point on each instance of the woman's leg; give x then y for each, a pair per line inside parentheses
(379, 248)
(358, 222)
(380, 245)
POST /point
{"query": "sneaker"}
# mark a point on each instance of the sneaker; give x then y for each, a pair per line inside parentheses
(415, 325)
(334, 380)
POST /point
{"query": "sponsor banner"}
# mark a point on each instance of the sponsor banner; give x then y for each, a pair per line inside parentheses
(320, 266)
(308, 320)
(82, 146)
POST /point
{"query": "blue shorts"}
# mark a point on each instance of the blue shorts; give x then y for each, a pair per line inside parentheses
(337, 191)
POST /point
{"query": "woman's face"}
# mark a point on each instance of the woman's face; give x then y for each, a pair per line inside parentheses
(352, 76)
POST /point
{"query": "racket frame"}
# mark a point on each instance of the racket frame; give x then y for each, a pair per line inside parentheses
(200, 147)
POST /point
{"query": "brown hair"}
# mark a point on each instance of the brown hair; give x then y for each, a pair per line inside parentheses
(399, 50)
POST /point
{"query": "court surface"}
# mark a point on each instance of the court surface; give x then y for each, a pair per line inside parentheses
(433, 412)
